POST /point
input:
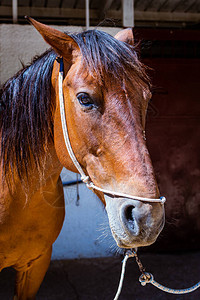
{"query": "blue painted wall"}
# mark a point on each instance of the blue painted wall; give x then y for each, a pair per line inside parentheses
(86, 231)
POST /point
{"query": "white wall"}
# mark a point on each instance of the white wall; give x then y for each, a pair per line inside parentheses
(84, 224)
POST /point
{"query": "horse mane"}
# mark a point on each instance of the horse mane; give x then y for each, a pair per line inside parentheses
(26, 115)
(106, 56)
(26, 123)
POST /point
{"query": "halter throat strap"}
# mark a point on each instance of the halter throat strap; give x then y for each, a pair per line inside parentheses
(84, 177)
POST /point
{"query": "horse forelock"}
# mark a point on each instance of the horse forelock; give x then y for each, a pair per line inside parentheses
(106, 57)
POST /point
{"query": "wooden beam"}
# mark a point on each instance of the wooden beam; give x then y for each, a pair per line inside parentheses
(128, 13)
(166, 16)
(67, 13)
(15, 11)
(50, 12)
(87, 14)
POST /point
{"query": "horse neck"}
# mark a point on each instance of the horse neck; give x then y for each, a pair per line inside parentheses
(39, 179)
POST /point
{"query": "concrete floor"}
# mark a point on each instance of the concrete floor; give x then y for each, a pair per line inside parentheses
(97, 279)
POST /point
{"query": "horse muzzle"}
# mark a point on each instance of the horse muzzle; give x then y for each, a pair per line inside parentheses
(134, 223)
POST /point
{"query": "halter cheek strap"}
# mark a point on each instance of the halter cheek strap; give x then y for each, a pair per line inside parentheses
(85, 178)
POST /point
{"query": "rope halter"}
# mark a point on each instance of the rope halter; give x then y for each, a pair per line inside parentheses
(84, 177)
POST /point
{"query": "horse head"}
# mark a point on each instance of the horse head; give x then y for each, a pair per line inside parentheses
(106, 93)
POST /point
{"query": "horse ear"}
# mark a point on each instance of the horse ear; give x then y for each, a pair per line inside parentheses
(62, 43)
(126, 36)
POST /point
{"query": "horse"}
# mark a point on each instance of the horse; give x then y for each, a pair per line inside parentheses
(106, 91)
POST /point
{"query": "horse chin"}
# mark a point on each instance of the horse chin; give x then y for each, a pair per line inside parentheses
(127, 244)
(134, 224)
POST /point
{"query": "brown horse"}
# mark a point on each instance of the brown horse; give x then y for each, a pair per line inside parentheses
(106, 92)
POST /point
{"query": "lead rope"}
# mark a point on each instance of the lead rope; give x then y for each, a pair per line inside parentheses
(147, 277)
(84, 177)
(128, 254)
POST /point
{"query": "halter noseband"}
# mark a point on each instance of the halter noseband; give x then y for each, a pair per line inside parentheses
(85, 178)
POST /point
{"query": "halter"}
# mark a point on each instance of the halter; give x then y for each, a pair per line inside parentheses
(84, 177)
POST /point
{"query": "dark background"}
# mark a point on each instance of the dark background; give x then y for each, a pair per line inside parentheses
(173, 130)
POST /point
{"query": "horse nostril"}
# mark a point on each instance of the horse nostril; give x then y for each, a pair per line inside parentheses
(129, 213)
(129, 219)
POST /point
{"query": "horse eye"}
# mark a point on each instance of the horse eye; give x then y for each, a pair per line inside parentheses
(85, 100)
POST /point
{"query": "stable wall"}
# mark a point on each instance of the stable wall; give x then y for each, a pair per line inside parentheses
(86, 231)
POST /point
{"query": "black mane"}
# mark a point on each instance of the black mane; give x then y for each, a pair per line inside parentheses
(26, 114)
(26, 124)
